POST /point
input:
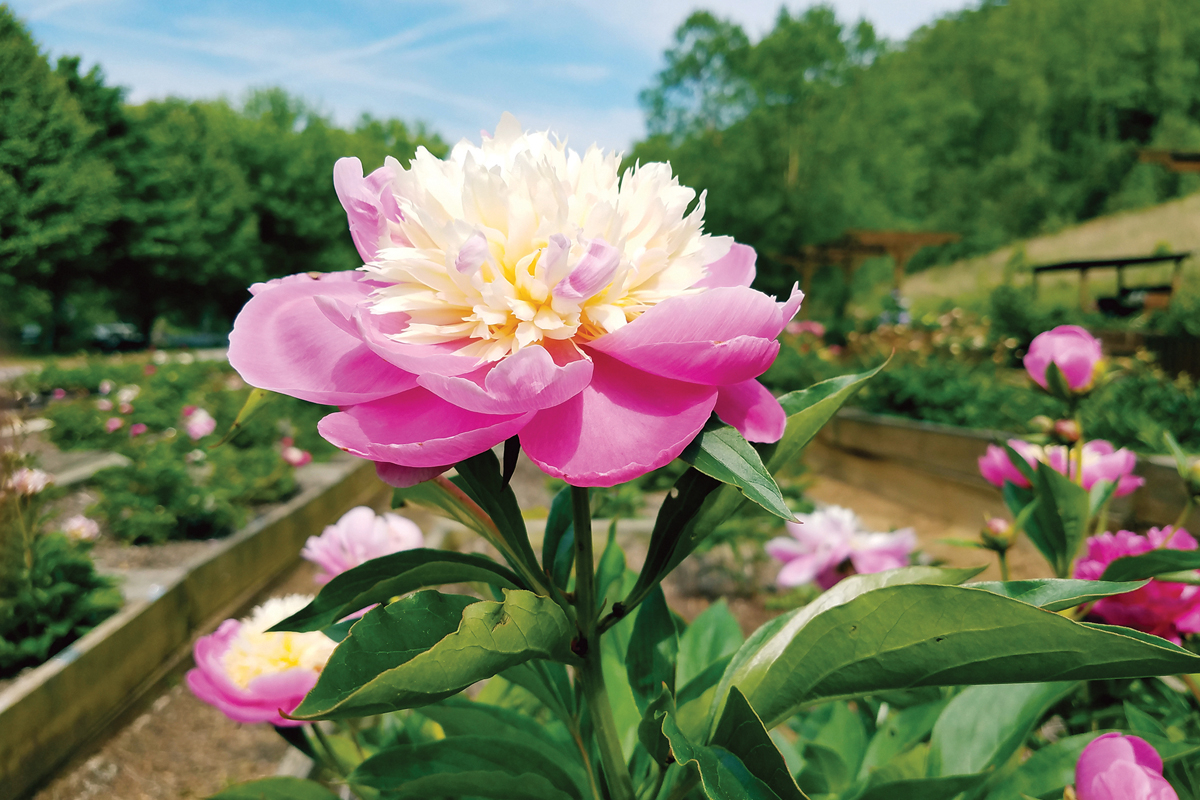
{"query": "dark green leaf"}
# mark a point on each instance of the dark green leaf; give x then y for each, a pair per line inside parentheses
(1056, 594)
(650, 728)
(547, 681)
(557, 524)
(719, 451)
(1151, 564)
(416, 651)
(944, 788)
(278, 788)
(1062, 516)
(254, 403)
(1022, 466)
(902, 729)
(714, 635)
(480, 477)
(650, 660)
(381, 579)
(741, 732)
(926, 635)
(610, 570)
(723, 776)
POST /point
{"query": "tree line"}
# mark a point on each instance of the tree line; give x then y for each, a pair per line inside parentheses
(164, 210)
(998, 122)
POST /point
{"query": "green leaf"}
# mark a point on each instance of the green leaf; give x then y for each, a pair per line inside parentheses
(1022, 466)
(416, 651)
(1056, 382)
(741, 732)
(714, 635)
(558, 523)
(254, 403)
(381, 579)
(473, 766)
(650, 728)
(547, 681)
(723, 776)
(1151, 564)
(1101, 493)
(984, 725)
(1056, 594)
(480, 477)
(1181, 459)
(1062, 517)
(653, 648)
(808, 410)
(278, 788)
(719, 451)
(610, 570)
(943, 788)
(449, 501)
(748, 661)
(901, 729)
(695, 699)
(926, 635)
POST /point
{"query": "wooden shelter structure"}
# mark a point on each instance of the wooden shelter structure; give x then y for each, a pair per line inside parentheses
(1174, 160)
(1129, 298)
(856, 246)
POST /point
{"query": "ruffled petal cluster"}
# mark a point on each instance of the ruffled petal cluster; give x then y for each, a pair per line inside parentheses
(252, 675)
(1076, 352)
(359, 536)
(1118, 767)
(518, 288)
(825, 546)
(1163, 609)
(1101, 462)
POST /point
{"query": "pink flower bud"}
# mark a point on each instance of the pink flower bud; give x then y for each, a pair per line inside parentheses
(1067, 430)
(114, 424)
(1118, 767)
(137, 429)
(997, 526)
(149, 369)
(287, 441)
(125, 408)
(106, 386)
(296, 457)
(1076, 352)
(199, 423)
(104, 404)
(59, 394)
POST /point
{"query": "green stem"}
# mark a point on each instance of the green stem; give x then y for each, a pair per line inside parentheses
(1002, 555)
(1183, 515)
(330, 760)
(587, 647)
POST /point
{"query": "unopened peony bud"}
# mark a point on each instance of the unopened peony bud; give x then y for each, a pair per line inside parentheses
(137, 429)
(59, 394)
(114, 424)
(1067, 430)
(997, 534)
(1042, 424)
(1073, 350)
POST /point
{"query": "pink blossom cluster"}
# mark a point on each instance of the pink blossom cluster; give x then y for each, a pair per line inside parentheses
(829, 544)
(1161, 608)
(359, 536)
(1101, 461)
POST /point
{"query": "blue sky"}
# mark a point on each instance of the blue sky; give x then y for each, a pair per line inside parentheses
(571, 66)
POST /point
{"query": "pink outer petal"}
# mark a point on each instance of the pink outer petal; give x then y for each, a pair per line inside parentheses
(1117, 767)
(368, 201)
(624, 424)
(735, 268)
(526, 381)
(403, 477)
(753, 410)
(419, 359)
(1072, 348)
(417, 429)
(284, 342)
(720, 336)
(800, 570)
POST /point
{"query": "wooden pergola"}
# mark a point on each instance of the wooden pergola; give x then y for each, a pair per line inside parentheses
(1158, 296)
(856, 246)
(1174, 160)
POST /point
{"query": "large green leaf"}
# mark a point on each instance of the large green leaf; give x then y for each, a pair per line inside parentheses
(723, 776)
(900, 730)
(547, 681)
(719, 451)
(653, 647)
(450, 501)
(1062, 516)
(941, 788)
(381, 579)
(480, 477)
(713, 635)
(474, 766)
(1151, 564)
(610, 570)
(278, 788)
(416, 651)
(927, 635)
(741, 732)
(984, 725)
(1056, 594)
(558, 524)
(764, 644)
(808, 410)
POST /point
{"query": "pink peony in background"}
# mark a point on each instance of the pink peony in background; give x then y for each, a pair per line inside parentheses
(81, 528)
(1101, 461)
(819, 544)
(1118, 767)
(1163, 609)
(252, 675)
(295, 456)
(518, 288)
(29, 481)
(1076, 352)
(198, 423)
(114, 424)
(359, 536)
(996, 467)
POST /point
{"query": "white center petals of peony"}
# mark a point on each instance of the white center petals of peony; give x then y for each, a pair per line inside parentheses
(521, 240)
(254, 652)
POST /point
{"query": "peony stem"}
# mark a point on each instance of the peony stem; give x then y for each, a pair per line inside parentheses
(587, 647)
(1002, 555)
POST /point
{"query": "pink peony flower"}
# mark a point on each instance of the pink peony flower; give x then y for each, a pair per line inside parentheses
(104, 404)
(1161, 608)
(127, 394)
(519, 288)
(149, 369)
(820, 543)
(359, 536)
(1101, 462)
(296, 457)
(287, 441)
(199, 423)
(137, 429)
(251, 675)
(125, 408)
(113, 424)
(59, 394)
(1118, 767)
(1074, 350)
(29, 481)
(81, 528)
(106, 386)
(996, 467)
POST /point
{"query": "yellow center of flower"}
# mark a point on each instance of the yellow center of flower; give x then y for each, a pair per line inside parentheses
(254, 652)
